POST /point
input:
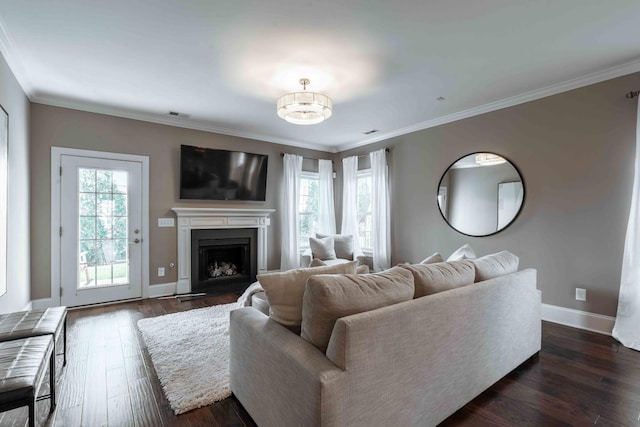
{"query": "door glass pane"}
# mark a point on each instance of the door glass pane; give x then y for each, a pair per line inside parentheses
(103, 257)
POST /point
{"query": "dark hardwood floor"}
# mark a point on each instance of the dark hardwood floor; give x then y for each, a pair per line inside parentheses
(579, 378)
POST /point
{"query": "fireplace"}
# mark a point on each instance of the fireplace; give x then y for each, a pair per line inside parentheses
(218, 219)
(223, 259)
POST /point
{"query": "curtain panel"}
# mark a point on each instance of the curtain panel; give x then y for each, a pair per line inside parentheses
(380, 211)
(350, 199)
(290, 252)
(326, 210)
(627, 326)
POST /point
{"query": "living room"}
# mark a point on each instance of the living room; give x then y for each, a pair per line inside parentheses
(573, 143)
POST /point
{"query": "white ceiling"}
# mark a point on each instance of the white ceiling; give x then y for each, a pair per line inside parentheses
(224, 63)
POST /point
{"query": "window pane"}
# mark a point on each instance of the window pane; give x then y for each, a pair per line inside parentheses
(307, 209)
(365, 218)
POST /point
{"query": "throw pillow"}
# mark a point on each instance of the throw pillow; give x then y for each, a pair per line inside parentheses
(285, 290)
(463, 252)
(494, 265)
(330, 297)
(433, 278)
(432, 259)
(322, 248)
(342, 244)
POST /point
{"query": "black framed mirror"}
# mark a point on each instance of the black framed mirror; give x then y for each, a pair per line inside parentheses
(481, 194)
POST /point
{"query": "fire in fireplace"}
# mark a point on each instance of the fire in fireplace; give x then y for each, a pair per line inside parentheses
(224, 260)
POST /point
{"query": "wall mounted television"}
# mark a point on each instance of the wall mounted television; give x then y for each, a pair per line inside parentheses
(212, 174)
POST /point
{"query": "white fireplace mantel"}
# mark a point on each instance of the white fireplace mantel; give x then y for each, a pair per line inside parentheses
(209, 218)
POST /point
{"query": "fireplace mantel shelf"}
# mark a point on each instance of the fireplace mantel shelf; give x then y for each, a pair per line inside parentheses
(210, 218)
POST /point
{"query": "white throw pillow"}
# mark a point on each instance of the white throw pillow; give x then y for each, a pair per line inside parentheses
(432, 259)
(342, 244)
(322, 248)
(285, 290)
(494, 265)
(463, 252)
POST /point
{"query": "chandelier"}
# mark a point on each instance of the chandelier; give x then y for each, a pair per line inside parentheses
(304, 108)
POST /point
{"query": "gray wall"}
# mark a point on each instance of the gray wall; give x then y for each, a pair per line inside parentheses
(60, 127)
(16, 103)
(575, 151)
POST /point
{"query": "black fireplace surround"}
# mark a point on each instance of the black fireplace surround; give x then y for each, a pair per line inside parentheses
(223, 260)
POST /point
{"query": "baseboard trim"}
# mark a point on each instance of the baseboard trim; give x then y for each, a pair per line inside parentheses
(578, 319)
(39, 304)
(162, 290)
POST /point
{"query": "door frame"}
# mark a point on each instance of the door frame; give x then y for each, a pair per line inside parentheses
(56, 189)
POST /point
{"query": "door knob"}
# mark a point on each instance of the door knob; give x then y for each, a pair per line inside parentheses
(135, 241)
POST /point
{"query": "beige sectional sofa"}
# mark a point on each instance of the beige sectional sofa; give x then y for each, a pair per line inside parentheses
(409, 363)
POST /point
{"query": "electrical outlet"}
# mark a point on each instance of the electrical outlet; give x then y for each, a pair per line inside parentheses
(165, 222)
(581, 294)
(160, 271)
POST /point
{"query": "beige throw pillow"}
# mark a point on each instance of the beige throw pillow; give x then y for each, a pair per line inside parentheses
(463, 252)
(494, 265)
(432, 259)
(322, 248)
(285, 290)
(342, 244)
(317, 263)
(330, 297)
(433, 278)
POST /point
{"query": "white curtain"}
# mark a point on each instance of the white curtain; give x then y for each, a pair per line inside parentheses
(350, 198)
(326, 211)
(627, 326)
(290, 254)
(380, 211)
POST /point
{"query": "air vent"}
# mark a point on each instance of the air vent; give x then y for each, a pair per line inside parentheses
(369, 132)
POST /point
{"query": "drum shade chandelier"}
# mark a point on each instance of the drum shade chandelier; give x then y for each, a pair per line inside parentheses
(304, 108)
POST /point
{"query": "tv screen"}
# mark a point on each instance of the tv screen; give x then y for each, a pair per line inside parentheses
(210, 174)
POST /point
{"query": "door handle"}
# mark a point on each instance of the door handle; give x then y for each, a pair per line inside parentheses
(135, 240)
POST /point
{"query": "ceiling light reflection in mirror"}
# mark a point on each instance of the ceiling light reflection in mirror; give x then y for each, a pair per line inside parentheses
(269, 64)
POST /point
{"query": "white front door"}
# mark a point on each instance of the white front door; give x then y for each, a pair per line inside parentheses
(101, 229)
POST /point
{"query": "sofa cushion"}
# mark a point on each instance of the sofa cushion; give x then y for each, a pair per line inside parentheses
(494, 265)
(436, 257)
(463, 252)
(322, 248)
(330, 297)
(342, 244)
(361, 269)
(285, 290)
(433, 278)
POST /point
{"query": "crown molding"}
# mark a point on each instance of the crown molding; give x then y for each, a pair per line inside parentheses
(12, 56)
(170, 121)
(589, 79)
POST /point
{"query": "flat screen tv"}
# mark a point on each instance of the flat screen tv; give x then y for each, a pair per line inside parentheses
(211, 174)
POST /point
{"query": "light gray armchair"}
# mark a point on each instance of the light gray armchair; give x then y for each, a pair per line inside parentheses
(332, 249)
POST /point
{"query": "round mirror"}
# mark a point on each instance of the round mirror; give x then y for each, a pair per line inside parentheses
(480, 194)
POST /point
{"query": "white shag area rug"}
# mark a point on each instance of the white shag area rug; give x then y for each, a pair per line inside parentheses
(190, 351)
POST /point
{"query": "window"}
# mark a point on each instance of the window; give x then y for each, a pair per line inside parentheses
(365, 218)
(308, 207)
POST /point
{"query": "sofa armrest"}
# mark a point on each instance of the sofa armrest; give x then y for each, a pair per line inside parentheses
(278, 377)
(305, 258)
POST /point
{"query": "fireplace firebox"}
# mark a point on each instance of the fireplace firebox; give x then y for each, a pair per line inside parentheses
(223, 260)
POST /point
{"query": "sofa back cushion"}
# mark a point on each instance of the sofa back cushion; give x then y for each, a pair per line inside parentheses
(284, 291)
(442, 276)
(330, 297)
(494, 265)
